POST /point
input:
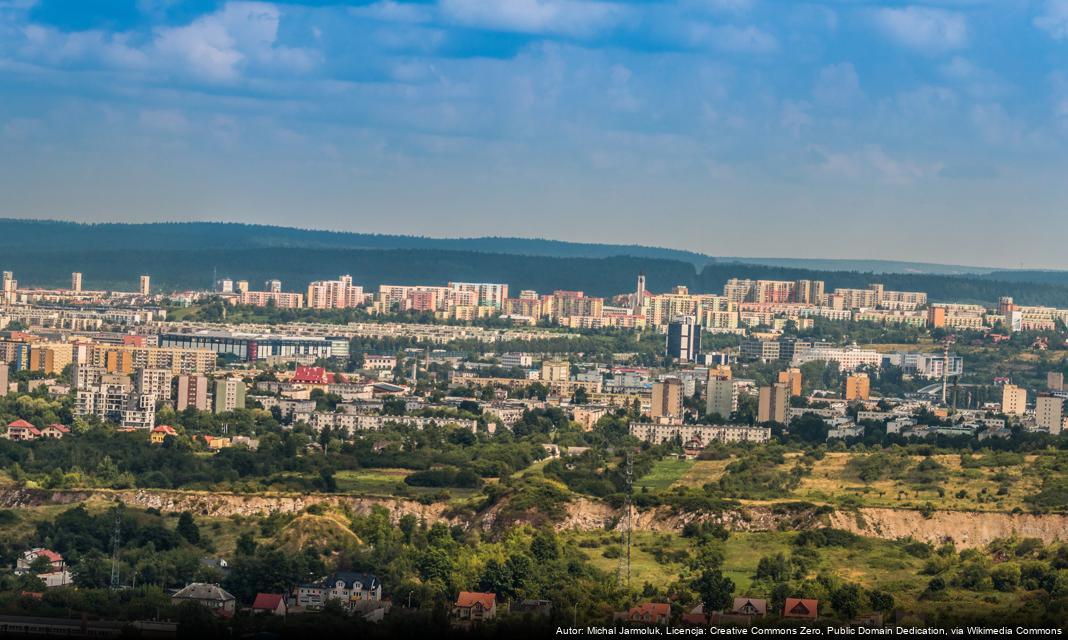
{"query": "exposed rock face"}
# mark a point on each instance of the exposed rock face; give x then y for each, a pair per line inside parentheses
(223, 504)
(966, 529)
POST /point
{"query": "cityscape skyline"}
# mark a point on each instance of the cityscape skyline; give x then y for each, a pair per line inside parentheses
(848, 129)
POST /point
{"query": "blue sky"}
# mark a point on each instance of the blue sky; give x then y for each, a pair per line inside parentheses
(848, 129)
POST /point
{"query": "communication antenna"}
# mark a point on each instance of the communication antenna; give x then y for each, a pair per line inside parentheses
(116, 543)
(945, 366)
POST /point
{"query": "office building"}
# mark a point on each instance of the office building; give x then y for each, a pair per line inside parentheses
(1049, 412)
(773, 403)
(684, 339)
(791, 378)
(229, 395)
(192, 393)
(1013, 400)
(667, 400)
(249, 347)
(857, 387)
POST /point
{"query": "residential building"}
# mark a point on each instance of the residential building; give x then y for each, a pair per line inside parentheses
(159, 434)
(229, 395)
(1049, 412)
(270, 603)
(857, 387)
(55, 575)
(55, 431)
(50, 357)
(277, 299)
(144, 286)
(76, 282)
(698, 436)
(649, 613)
(4, 370)
(684, 339)
(192, 392)
(773, 402)
(1013, 400)
(486, 294)
(1055, 381)
(211, 596)
(113, 398)
(667, 400)
(792, 378)
(346, 587)
(128, 357)
(555, 371)
(520, 360)
(335, 294)
(472, 607)
(20, 430)
(848, 358)
(801, 609)
(721, 396)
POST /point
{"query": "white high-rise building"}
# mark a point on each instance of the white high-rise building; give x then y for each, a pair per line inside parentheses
(334, 294)
(76, 282)
(145, 285)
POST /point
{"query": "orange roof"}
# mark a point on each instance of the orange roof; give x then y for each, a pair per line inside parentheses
(471, 598)
(652, 608)
(800, 608)
(20, 423)
(163, 428)
(59, 427)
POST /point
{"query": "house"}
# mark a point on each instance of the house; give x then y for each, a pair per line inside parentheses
(22, 431)
(750, 607)
(55, 431)
(649, 613)
(539, 608)
(348, 587)
(216, 442)
(800, 609)
(472, 607)
(312, 376)
(54, 574)
(211, 596)
(160, 433)
(694, 617)
(272, 603)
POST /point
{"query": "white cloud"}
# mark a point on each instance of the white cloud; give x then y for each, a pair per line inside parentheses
(575, 18)
(924, 29)
(1054, 19)
(871, 162)
(215, 45)
(732, 38)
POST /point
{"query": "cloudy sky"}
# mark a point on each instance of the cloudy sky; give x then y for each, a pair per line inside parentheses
(928, 131)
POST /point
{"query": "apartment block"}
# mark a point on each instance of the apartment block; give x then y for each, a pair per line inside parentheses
(1049, 412)
(857, 387)
(667, 400)
(192, 393)
(791, 378)
(229, 395)
(773, 402)
(721, 396)
(1013, 400)
(335, 294)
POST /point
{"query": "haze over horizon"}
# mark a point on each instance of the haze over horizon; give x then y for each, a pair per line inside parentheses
(933, 131)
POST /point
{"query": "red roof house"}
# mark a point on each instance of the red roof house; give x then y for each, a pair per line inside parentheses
(272, 603)
(800, 609)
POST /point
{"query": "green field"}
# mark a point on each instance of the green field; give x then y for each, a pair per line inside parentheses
(665, 473)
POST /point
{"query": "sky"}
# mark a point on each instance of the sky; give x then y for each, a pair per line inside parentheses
(933, 131)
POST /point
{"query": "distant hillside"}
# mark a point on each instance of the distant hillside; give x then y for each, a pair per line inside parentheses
(107, 266)
(870, 266)
(51, 235)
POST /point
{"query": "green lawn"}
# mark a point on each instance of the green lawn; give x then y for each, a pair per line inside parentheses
(665, 473)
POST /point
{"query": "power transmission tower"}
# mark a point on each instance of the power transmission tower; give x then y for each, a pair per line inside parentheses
(625, 536)
(116, 543)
